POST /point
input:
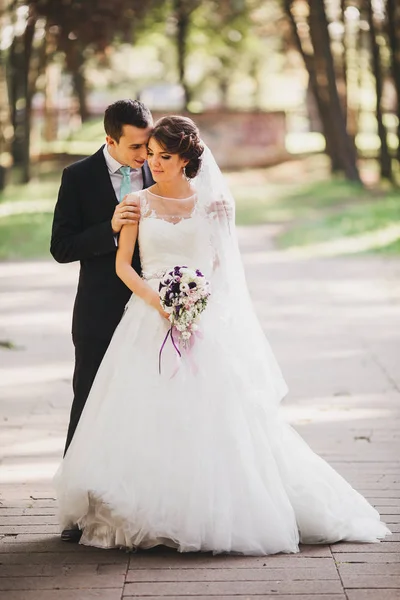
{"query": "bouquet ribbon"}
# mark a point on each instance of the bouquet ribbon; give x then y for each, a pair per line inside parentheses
(170, 332)
(190, 343)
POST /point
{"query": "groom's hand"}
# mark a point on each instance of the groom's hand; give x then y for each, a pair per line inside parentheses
(126, 212)
(222, 208)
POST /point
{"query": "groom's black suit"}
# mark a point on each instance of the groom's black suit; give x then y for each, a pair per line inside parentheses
(82, 231)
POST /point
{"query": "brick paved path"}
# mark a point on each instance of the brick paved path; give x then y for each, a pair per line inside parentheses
(334, 324)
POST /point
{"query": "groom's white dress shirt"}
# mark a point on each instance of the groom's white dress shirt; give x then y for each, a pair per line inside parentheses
(116, 177)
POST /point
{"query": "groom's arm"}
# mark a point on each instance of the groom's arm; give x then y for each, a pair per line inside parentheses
(69, 240)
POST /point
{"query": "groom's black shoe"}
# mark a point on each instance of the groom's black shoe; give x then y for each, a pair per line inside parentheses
(71, 535)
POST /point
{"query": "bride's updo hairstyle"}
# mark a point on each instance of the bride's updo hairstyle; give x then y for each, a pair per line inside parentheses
(179, 135)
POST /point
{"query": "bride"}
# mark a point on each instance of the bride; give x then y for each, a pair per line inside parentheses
(197, 456)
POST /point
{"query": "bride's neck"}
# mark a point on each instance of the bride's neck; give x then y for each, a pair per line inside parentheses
(177, 188)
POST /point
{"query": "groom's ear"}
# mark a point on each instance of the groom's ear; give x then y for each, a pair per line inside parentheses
(110, 141)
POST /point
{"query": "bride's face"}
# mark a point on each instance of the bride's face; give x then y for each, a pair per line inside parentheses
(165, 167)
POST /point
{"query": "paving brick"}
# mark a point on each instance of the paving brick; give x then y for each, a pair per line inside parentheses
(175, 560)
(26, 528)
(370, 581)
(395, 537)
(260, 574)
(385, 502)
(188, 589)
(384, 493)
(388, 510)
(391, 518)
(45, 570)
(51, 570)
(368, 557)
(63, 582)
(96, 557)
(373, 548)
(373, 594)
(369, 568)
(246, 597)
(24, 520)
(77, 594)
(27, 512)
(39, 543)
(31, 539)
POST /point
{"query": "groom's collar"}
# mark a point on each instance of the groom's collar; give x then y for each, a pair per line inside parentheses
(112, 164)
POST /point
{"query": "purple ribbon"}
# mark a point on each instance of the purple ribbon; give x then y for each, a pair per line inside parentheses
(169, 333)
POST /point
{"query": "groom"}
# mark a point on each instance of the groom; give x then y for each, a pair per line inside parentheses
(91, 209)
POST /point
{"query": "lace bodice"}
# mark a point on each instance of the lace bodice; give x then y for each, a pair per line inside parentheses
(172, 234)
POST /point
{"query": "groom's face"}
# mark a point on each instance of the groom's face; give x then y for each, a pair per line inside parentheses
(131, 149)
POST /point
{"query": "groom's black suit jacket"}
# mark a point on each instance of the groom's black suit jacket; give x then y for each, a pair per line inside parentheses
(82, 231)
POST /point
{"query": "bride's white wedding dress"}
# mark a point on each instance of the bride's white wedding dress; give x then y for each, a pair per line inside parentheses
(199, 459)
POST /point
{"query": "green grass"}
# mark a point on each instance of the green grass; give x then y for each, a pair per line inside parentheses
(373, 215)
(44, 190)
(26, 214)
(25, 236)
(268, 203)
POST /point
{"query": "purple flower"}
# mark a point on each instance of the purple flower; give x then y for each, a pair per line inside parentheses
(199, 273)
(175, 288)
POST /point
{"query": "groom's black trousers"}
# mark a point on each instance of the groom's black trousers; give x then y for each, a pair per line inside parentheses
(88, 356)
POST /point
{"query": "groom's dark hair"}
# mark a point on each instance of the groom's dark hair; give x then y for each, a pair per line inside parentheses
(126, 112)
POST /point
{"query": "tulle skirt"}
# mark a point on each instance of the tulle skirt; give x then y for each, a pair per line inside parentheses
(197, 457)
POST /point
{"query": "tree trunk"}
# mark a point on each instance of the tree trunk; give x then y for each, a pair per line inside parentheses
(15, 85)
(322, 105)
(20, 94)
(342, 71)
(343, 4)
(79, 83)
(393, 20)
(385, 160)
(75, 63)
(4, 124)
(183, 11)
(5, 120)
(33, 70)
(327, 86)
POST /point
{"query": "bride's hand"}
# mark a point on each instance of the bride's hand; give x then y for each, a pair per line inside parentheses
(155, 303)
(164, 314)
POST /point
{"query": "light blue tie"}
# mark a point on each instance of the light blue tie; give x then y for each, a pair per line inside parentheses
(125, 183)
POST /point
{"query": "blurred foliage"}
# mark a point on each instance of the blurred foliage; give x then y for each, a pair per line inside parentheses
(333, 66)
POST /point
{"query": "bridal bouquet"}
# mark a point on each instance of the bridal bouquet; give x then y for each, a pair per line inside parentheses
(184, 294)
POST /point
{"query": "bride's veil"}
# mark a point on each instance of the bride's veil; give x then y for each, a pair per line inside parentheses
(247, 341)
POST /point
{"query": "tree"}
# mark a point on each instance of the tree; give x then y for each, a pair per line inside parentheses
(24, 62)
(182, 10)
(228, 39)
(72, 27)
(385, 159)
(393, 26)
(81, 27)
(5, 116)
(316, 51)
